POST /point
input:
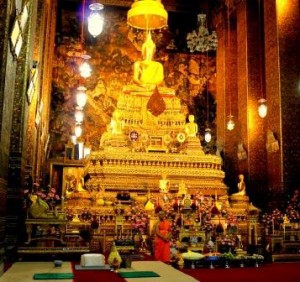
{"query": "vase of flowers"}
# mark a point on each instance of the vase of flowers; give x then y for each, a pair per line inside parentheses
(139, 220)
(227, 244)
(41, 202)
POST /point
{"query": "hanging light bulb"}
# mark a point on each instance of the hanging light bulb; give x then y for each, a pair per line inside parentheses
(73, 139)
(81, 97)
(78, 131)
(79, 116)
(262, 102)
(85, 68)
(262, 107)
(230, 123)
(207, 135)
(95, 19)
(87, 149)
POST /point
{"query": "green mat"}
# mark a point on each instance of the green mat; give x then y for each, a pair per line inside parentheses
(138, 274)
(49, 276)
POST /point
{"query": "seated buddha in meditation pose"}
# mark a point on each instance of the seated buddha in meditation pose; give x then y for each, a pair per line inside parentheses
(164, 184)
(241, 187)
(148, 73)
(191, 127)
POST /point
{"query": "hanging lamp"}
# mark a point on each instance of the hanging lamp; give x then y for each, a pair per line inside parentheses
(79, 116)
(207, 135)
(85, 68)
(262, 107)
(207, 132)
(78, 131)
(95, 19)
(230, 122)
(81, 97)
(73, 139)
(262, 102)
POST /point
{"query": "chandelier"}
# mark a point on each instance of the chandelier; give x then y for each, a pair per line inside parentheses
(202, 40)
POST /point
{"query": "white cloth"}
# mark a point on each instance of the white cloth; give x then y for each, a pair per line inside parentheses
(92, 260)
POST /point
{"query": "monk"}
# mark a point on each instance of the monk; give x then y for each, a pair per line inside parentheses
(162, 230)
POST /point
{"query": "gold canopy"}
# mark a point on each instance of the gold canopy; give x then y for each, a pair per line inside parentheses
(147, 15)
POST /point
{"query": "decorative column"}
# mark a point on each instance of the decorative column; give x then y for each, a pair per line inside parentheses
(282, 41)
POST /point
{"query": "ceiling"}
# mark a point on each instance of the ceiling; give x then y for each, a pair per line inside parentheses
(179, 6)
(180, 11)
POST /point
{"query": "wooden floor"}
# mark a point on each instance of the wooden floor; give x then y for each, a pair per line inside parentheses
(24, 271)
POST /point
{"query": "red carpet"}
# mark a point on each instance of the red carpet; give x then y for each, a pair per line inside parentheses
(95, 275)
(272, 272)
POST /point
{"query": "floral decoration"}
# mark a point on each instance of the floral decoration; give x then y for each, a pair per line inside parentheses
(293, 207)
(139, 219)
(290, 211)
(228, 241)
(49, 195)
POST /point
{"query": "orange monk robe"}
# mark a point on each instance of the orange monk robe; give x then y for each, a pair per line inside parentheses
(162, 247)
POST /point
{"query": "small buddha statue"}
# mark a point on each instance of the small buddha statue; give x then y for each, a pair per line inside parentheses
(241, 187)
(191, 127)
(286, 219)
(79, 184)
(164, 184)
(182, 190)
(116, 124)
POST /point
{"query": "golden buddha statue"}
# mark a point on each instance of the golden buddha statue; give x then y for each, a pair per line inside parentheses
(182, 190)
(116, 123)
(147, 73)
(241, 187)
(164, 184)
(191, 127)
(240, 199)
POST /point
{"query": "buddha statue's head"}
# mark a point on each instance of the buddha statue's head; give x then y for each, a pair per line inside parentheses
(191, 118)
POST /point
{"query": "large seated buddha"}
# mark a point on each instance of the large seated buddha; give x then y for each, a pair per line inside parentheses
(147, 73)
